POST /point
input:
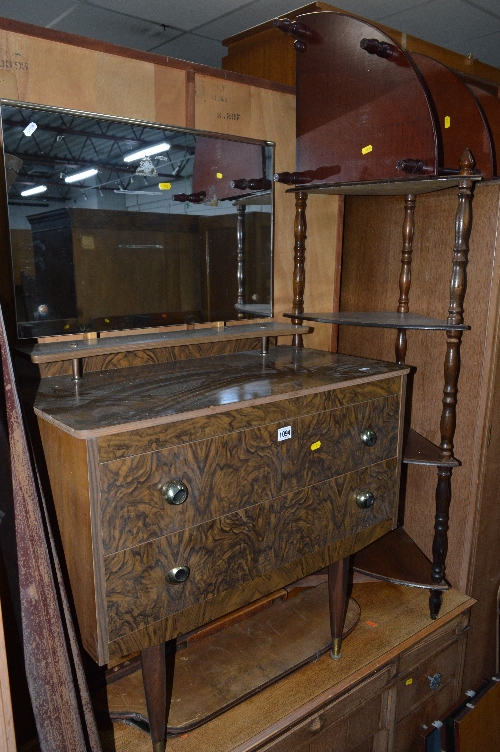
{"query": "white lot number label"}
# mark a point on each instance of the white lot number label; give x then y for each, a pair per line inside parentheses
(284, 433)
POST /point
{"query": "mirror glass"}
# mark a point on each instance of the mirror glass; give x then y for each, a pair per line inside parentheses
(120, 224)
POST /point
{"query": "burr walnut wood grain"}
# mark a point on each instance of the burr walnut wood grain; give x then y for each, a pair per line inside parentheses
(230, 550)
(207, 610)
(139, 440)
(236, 470)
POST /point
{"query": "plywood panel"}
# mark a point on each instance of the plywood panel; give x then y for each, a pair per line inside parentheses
(170, 85)
(124, 87)
(50, 72)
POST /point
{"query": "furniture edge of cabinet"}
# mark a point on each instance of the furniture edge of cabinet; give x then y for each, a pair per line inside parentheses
(75, 497)
(152, 438)
(387, 675)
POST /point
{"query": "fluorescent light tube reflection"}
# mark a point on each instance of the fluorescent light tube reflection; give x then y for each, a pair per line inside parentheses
(149, 151)
(80, 176)
(34, 191)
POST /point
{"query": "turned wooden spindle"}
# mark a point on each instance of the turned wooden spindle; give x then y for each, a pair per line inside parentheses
(193, 198)
(451, 374)
(300, 31)
(413, 166)
(300, 229)
(292, 178)
(240, 271)
(254, 184)
(376, 47)
(405, 274)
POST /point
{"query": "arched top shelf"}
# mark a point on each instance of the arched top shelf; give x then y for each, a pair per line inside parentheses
(359, 113)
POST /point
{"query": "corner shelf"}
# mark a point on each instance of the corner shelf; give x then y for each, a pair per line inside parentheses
(417, 450)
(380, 319)
(391, 187)
(396, 558)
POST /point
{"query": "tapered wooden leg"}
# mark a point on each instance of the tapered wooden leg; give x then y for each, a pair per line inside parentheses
(155, 689)
(337, 591)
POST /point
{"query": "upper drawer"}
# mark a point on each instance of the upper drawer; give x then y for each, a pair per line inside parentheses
(239, 469)
(239, 547)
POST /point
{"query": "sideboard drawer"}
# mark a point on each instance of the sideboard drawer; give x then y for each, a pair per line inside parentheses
(426, 679)
(236, 470)
(236, 548)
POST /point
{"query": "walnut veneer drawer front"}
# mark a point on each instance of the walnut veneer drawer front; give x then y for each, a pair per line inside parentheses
(238, 547)
(236, 470)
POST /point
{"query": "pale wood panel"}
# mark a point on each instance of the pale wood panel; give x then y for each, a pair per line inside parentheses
(70, 491)
(7, 738)
(124, 87)
(170, 88)
(55, 74)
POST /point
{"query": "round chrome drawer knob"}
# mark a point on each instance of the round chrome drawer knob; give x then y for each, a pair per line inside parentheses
(365, 500)
(175, 492)
(368, 437)
(178, 575)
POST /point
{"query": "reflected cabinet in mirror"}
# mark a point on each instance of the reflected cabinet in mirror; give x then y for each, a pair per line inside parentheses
(121, 224)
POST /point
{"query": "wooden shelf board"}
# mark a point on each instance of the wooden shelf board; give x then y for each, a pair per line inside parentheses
(418, 450)
(57, 351)
(396, 558)
(383, 187)
(380, 319)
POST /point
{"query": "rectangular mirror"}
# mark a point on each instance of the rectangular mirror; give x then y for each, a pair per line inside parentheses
(120, 224)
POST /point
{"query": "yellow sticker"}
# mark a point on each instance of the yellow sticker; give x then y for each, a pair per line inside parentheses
(164, 186)
(107, 321)
(219, 175)
(316, 445)
(447, 121)
(88, 243)
(367, 149)
(66, 326)
(409, 681)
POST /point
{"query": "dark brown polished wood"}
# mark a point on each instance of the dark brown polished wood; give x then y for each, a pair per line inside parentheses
(352, 80)
(460, 120)
(300, 230)
(405, 274)
(490, 105)
(240, 238)
(417, 450)
(155, 689)
(337, 590)
(451, 372)
(454, 326)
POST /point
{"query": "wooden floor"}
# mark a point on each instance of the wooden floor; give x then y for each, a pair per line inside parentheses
(393, 618)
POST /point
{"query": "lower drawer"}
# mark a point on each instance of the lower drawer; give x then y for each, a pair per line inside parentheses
(426, 679)
(408, 733)
(343, 726)
(234, 549)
